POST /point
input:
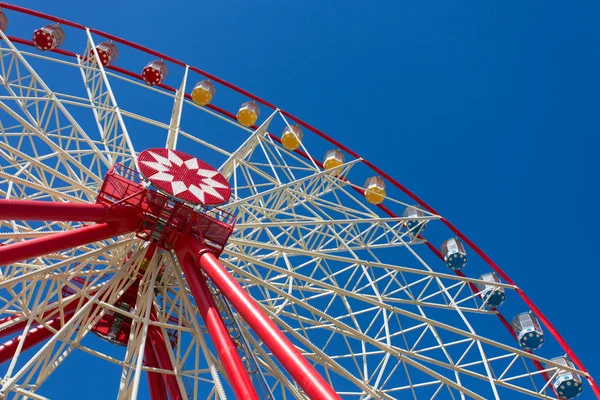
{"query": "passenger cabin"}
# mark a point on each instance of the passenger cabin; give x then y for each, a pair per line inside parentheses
(566, 384)
(203, 92)
(374, 190)
(333, 161)
(291, 137)
(528, 330)
(416, 225)
(155, 72)
(48, 37)
(3, 21)
(492, 295)
(248, 113)
(454, 254)
(107, 52)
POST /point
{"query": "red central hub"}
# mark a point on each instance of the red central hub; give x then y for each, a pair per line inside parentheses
(166, 218)
(128, 204)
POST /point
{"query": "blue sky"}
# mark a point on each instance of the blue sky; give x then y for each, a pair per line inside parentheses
(486, 110)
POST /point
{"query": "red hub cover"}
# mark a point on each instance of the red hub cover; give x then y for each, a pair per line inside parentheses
(184, 176)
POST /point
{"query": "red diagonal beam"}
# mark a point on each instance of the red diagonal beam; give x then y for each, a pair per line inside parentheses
(226, 349)
(52, 243)
(157, 341)
(34, 336)
(29, 210)
(284, 351)
(156, 384)
(20, 321)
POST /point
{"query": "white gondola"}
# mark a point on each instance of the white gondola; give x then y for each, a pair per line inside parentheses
(528, 330)
(566, 384)
(492, 295)
(417, 225)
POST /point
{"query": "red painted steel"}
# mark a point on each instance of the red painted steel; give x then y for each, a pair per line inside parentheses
(284, 351)
(494, 266)
(29, 210)
(157, 341)
(68, 309)
(52, 243)
(124, 186)
(226, 349)
(35, 336)
(156, 383)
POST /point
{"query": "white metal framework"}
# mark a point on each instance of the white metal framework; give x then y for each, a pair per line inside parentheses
(364, 299)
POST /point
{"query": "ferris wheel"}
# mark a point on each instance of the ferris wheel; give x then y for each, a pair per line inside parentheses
(181, 238)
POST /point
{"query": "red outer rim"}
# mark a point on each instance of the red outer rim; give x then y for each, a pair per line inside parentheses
(337, 144)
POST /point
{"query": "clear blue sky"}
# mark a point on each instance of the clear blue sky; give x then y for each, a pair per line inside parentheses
(501, 95)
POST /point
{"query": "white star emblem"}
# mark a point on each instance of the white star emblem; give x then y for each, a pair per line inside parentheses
(172, 169)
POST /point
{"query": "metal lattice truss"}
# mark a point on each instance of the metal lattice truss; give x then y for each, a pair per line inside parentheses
(349, 287)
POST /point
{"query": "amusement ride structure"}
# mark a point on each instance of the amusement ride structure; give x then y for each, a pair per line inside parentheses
(249, 263)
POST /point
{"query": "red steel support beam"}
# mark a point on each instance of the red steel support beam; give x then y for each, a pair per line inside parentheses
(156, 381)
(226, 349)
(34, 336)
(284, 351)
(68, 310)
(52, 243)
(156, 384)
(157, 342)
(29, 210)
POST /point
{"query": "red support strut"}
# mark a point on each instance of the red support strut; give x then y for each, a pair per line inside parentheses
(284, 351)
(29, 210)
(34, 336)
(158, 344)
(52, 243)
(226, 349)
(19, 321)
(156, 384)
